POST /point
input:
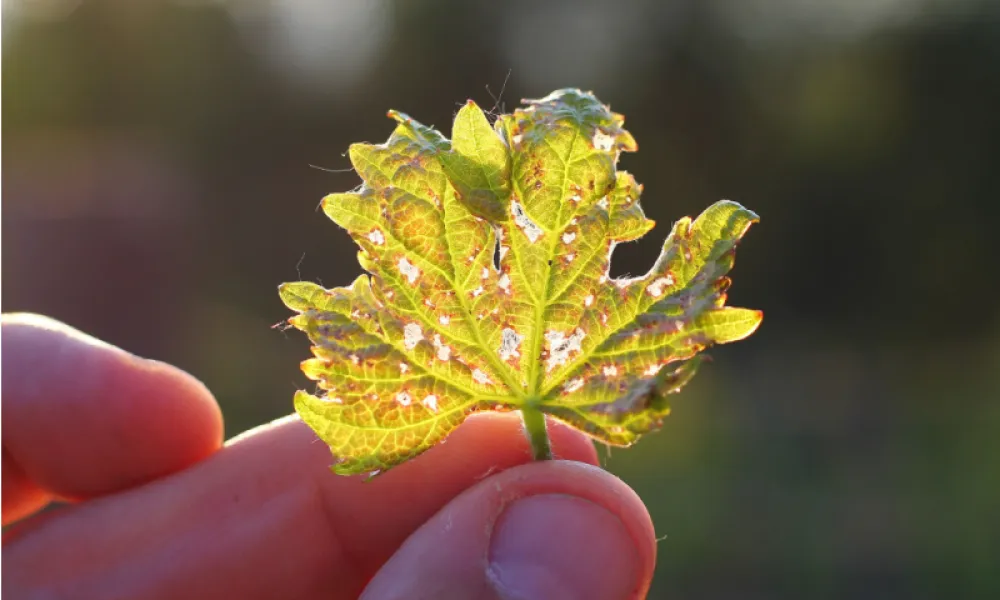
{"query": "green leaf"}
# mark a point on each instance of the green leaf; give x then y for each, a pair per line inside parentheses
(479, 166)
(436, 330)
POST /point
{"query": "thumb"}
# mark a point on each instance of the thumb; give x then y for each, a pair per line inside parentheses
(545, 530)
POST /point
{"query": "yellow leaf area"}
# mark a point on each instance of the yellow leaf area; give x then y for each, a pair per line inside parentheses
(488, 286)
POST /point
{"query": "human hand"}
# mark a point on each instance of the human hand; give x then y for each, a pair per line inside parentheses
(161, 509)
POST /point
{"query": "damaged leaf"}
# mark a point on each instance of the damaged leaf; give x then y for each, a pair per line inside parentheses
(437, 329)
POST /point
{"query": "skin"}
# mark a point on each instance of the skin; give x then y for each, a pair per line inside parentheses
(156, 506)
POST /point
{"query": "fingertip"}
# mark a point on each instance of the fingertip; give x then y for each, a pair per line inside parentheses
(570, 444)
(86, 418)
(550, 529)
(176, 398)
(552, 545)
(598, 488)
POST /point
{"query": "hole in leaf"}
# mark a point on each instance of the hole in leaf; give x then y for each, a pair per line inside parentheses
(633, 258)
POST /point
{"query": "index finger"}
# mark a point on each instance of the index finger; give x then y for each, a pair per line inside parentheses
(263, 518)
(83, 418)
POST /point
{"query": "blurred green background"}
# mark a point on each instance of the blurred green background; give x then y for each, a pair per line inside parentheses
(157, 187)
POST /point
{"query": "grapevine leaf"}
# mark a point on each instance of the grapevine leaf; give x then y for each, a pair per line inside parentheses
(437, 330)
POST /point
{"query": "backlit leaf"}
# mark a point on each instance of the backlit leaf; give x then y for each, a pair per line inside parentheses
(437, 329)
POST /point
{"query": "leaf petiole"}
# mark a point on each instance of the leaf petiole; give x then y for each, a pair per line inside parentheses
(534, 429)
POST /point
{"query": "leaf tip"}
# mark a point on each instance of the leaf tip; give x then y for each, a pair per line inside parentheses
(753, 328)
(399, 117)
(736, 206)
(628, 143)
(756, 318)
(286, 295)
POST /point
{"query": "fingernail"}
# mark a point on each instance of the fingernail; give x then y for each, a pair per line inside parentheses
(556, 546)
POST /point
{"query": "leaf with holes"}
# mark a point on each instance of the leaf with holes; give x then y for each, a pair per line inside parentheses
(488, 287)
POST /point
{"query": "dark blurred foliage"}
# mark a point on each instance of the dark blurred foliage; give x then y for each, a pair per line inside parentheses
(157, 187)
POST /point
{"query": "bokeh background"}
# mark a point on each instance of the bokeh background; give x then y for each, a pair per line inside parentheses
(158, 184)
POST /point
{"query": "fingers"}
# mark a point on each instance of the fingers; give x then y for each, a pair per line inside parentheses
(263, 518)
(542, 531)
(82, 418)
